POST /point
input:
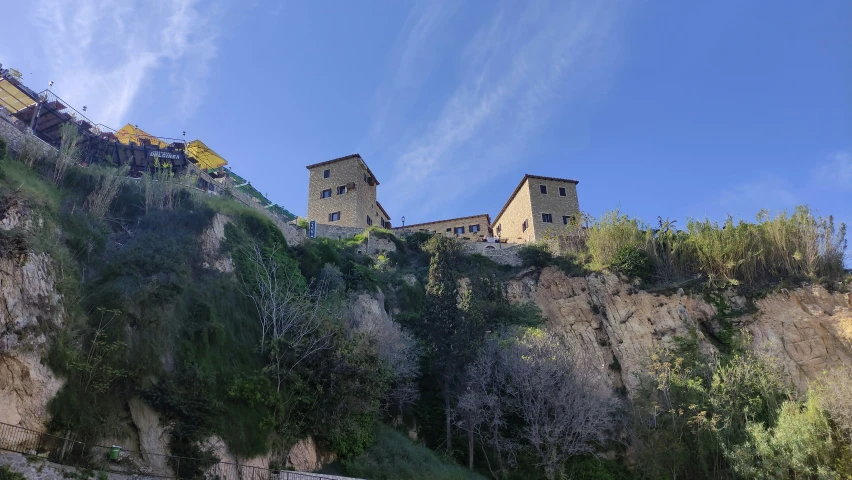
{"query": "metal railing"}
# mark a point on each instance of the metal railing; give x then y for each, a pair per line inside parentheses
(70, 452)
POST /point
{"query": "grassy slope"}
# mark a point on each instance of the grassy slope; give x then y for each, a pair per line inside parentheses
(395, 457)
(171, 309)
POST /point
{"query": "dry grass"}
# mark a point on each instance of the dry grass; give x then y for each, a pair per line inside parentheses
(99, 201)
(800, 245)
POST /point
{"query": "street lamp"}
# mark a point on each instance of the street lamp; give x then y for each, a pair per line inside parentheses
(403, 221)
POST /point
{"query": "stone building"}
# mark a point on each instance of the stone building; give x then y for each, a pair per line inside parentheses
(538, 205)
(474, 227)
(342, 192)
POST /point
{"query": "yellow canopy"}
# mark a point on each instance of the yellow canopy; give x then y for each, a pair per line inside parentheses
(130, 133)
(206, 157)
(13, 98)
(196, 149)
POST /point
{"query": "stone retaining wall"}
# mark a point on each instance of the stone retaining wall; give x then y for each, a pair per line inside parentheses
(337, 232)
(502, 253)
(14, 132)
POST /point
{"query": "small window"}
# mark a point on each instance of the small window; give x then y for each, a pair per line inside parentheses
(474, 228)
(459, 231)
(543, 189)
(546, 218)
(383, 222)
(369, 220)
(566, 219)
(333, 217)
(326, 173)
(525, 225)
(341, 190)
(325, 193)
(562, 192)
(499, 229)
(365, 178)
(449, 229)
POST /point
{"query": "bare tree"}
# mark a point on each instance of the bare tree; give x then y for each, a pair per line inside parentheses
(559, 396)
(483, 408)
(290, 312)
(396, 348)
(556, 393)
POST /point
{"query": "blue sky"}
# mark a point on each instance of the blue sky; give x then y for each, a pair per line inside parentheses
(671, 108)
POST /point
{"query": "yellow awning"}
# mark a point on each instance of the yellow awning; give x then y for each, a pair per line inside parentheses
(129, 133)
(13, 98)
(206, 157)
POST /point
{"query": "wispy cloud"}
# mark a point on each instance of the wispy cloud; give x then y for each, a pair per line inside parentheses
(746, 199)
(836, 173)
(101, 53)
(520, 64)
(410, 59)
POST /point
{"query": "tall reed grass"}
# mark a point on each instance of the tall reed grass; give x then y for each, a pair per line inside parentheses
(800, 245)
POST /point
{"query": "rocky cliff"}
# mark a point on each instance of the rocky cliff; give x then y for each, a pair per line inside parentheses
(30, 307)
(808, 329)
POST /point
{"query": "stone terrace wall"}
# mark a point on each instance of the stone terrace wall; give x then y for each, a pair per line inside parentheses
(14, 132)
(504, 254)
(337, 232)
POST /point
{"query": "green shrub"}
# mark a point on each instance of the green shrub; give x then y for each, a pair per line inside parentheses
(594, 468)
(801, 445)
(7, 473)
(535, 255)
(632, 262)
(417, 240)
(610, 234)
(395, 457)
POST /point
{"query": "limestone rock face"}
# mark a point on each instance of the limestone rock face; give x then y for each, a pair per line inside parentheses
(153, 438)
(26, 386)
(615, 325)
(304, 456)
(807, 329)
(30, 306)
(211, 245)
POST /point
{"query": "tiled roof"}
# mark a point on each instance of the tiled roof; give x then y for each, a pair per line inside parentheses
(487, 218)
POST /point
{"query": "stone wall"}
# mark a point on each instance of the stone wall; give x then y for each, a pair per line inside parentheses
(509, 224)
(372, 246)
(502, 253)
(528, 204)
(553, 203)
(14, 132)
(355, 205)
(337, 232)
(375, 245)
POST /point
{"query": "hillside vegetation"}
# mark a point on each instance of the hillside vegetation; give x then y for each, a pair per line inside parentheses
(286, 344)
